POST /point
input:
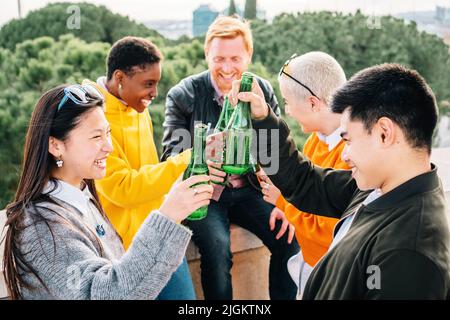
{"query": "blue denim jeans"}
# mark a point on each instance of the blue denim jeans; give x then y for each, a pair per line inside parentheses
(246, 208)
(180, 285)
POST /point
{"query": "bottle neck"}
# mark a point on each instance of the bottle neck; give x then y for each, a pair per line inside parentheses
(198, 155)
(224, 117)
(241, 118)
(246, 86)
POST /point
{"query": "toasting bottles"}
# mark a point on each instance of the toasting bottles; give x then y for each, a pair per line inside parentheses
(238, 159)
(224, 118)
(197, 165)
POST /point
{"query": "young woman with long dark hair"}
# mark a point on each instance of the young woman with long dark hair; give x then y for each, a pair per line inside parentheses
(59, 243)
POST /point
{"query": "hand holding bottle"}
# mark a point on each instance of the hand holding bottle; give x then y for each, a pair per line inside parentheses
(184, 198)
(216, 174)
(259, 107)
(268, 189)
(214, 154)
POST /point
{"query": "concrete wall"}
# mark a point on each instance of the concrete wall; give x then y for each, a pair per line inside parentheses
(250, 271)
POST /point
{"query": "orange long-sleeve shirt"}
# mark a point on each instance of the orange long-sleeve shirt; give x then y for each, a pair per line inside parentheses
(314, 233)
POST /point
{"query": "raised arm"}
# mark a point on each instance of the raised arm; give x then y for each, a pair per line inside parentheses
(307, 187)
(71, 267)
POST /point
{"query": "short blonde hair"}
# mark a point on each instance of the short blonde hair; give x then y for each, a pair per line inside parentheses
(319, 71)
(229, 28)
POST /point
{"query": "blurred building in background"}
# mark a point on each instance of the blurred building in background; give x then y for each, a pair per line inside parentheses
(202, 17)
(443, 15)
(435, 22)
(205, 14)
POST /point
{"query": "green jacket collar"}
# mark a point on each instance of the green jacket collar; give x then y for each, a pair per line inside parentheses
(425, 182)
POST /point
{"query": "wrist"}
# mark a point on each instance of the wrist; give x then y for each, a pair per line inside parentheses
(163, 212)
(263, 114)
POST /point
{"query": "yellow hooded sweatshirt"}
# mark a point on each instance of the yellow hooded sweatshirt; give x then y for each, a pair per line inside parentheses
(135, 181)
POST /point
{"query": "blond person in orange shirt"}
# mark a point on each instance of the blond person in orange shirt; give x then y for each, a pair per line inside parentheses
(307, 84)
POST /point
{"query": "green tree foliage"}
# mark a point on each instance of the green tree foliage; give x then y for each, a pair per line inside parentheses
(97, 23)
(232, 8)
(349, 39)
(40, 64)
(179, 62)
(250, 9)
(31, 66)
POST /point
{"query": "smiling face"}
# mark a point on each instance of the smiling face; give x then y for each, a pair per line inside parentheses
(141, 86)
(300, 110)
(85, 150)
(227, 60)
(364, 153)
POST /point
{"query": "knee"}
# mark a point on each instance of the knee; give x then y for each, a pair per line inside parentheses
(215, 252)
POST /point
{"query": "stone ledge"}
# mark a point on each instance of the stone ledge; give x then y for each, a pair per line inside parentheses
(250, 271)
(241, 240)
(250, 275)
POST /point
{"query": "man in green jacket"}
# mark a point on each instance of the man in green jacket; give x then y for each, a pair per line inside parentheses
(392, 240)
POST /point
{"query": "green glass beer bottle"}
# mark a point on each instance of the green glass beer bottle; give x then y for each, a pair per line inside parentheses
(198, 166)
(238, 144)
(224, 118)
(225, 115)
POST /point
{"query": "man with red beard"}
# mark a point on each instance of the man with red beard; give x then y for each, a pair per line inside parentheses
(199, 98)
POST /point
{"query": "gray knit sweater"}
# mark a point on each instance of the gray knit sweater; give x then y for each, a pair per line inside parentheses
(72, 264)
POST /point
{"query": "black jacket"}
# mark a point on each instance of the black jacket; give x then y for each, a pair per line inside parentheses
(402, 237)
(192, 100)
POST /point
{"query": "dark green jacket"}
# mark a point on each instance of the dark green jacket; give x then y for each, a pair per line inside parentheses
(398, 246)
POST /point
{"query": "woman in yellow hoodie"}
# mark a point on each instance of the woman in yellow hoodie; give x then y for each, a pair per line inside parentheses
(135, 181)
(307, 83)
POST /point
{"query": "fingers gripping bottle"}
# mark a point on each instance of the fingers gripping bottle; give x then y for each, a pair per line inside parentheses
(224, 118)
(238, 159)
(198, 166)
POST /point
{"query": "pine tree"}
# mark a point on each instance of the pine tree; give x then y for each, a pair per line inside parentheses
(250, 9)
(232, 8)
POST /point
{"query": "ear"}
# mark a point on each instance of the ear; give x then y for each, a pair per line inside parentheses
(315, 103)
(118, 76)
(206, 51)
(387, 131)
(250, 56)
(55, 147)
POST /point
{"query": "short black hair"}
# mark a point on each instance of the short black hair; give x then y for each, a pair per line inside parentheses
(129, 52)
(392, 91)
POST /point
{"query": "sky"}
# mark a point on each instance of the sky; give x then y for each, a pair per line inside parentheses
(145, 10)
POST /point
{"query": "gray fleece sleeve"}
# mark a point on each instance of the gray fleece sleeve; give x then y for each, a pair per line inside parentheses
(71, 268)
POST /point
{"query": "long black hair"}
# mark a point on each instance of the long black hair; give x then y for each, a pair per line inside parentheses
(46, 121)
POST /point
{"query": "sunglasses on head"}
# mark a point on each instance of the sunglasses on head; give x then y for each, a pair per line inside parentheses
(282, 71)
(81, 94)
